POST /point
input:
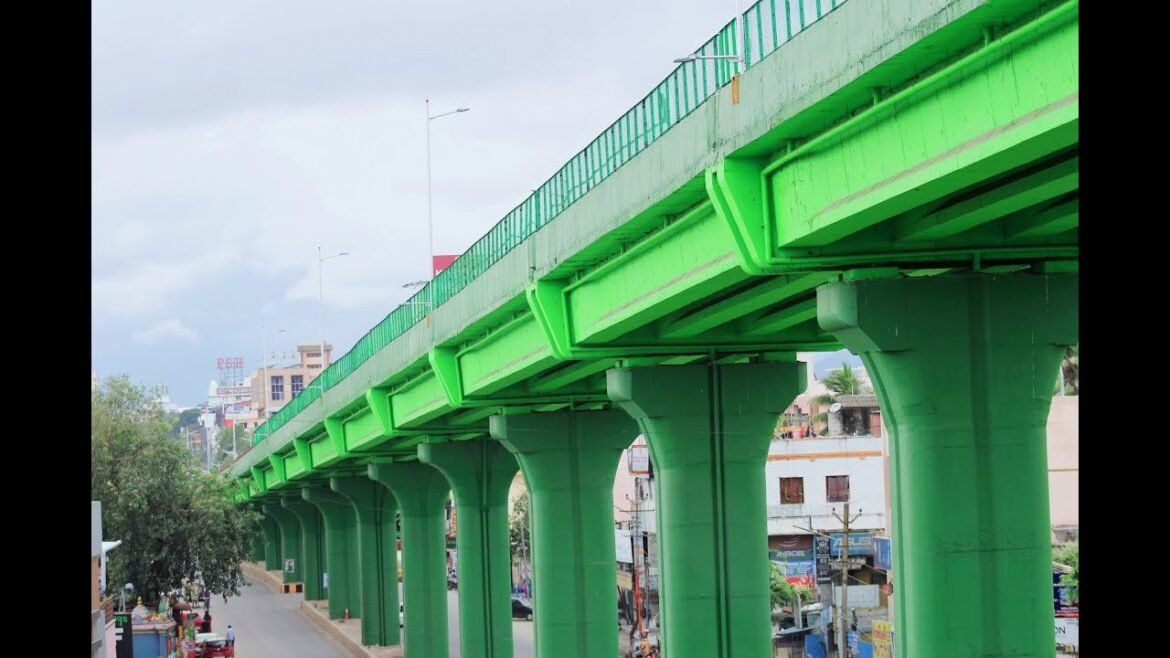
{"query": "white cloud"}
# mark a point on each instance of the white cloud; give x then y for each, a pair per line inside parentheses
(172, 329)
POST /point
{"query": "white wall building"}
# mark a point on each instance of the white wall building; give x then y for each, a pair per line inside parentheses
(806, 465)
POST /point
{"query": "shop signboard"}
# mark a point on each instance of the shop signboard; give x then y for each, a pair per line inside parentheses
(860, 543)
(798, 564)
(882, 639)
(1068, 633)
(123, 635)
(824, 567)
(883, 557)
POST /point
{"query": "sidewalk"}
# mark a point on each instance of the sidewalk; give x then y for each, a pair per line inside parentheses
(348, 634)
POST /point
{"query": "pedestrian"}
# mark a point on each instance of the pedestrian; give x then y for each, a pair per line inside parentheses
(230, 634)
(206, 627)
(225, 597)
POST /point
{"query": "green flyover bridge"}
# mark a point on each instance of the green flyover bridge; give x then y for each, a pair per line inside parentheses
(897, 178)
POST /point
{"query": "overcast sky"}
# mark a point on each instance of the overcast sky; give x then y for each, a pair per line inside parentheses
(230, 139)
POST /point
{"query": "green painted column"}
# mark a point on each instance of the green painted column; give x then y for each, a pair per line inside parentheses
(709, 428)
(257, 553)
(340, 522)
(312, 546)
(375, 511)
(290, 540)
(569, 461)
(271, 544)
(480, 473)
(964, 368)
(422, 494)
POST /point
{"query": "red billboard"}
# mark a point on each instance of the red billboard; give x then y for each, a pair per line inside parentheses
(440, 263)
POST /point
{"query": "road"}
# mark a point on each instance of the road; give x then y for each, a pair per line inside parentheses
(270, 625)
(522, 646)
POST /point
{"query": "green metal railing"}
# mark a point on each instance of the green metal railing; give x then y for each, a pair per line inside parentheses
(767, 25)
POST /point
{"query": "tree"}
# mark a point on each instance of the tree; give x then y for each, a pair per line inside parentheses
(186, 419)
(223, 443)
(520, 536)
(173, 519)
(839, 382)
(1068, 380)
(1070, 556)
(782, 591)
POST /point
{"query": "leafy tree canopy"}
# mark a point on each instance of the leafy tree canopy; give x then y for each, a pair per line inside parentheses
(173, 519)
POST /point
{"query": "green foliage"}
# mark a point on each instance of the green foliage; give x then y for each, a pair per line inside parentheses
(1069, 377)
(516, 537)
(173, 519)
(843, 382)
(783, 592)
(1070, 556)
(223, 448)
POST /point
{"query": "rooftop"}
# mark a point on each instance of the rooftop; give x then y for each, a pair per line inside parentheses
(857, 401)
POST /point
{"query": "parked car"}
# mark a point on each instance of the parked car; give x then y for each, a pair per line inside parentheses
(521, 608)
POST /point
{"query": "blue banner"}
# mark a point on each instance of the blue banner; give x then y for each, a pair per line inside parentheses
(883, 557)
(860, 543)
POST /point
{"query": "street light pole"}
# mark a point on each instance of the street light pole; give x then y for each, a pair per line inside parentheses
(321, 298)
(430, 217)
(741, 46)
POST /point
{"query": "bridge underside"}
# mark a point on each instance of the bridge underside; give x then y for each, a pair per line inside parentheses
(935, 224)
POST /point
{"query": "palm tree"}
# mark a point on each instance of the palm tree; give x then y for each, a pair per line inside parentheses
(1068, 381)
(839, 382)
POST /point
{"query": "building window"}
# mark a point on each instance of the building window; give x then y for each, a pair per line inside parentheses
(298, 383)
(837, 488)
(791, 491)
(277, 387)
(313, 365)
(312, 355)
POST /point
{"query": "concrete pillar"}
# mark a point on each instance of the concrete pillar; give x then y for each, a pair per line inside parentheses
(312, 546)
(964, 368)
(257, 552)
(569, 460)
(480, 473)
(422, 494)
(709, 428)
(340, 530)
(376, 557)
(290, 540)
(271, 544)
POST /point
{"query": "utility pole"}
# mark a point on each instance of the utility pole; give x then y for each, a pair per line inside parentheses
(636, 545)
(843, 609)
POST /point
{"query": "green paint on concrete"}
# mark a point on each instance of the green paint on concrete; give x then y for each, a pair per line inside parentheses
(376, 557)
(271, 542)
(569, 460)
(276, 464)
(736, 188)
(964, 367)
(422, 494)
(290, 540)
(508, 355)
(546, 300)
(445, 365)
(312, 546)
(257, 553)
(709, 429)
(480, 473)
(340, 533)
(419, 401)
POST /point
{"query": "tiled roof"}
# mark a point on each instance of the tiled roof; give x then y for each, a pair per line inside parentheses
(857, 401)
